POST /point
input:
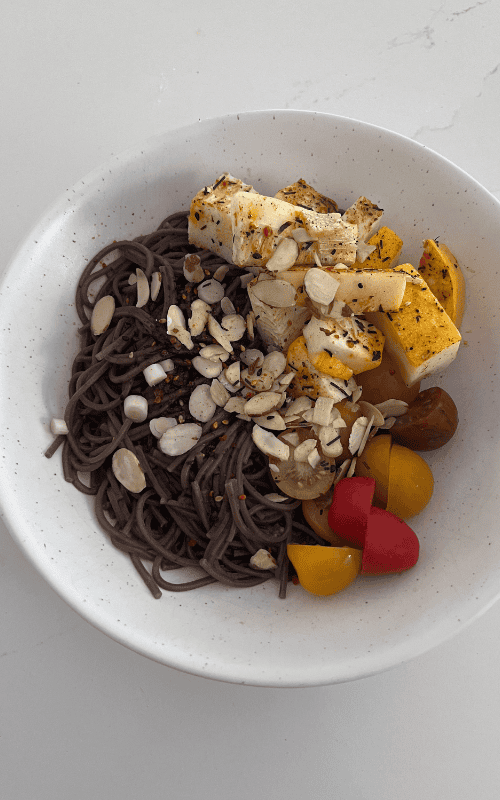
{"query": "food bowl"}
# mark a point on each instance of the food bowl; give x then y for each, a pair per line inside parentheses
(251, 636)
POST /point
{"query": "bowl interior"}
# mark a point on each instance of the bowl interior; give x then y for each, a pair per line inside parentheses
(251, 636)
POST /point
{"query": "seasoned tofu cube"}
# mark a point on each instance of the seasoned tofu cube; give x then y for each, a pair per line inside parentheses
(440, 270)
(260, 223)
(209, 224)
(303, 195)
(387, 245)
(420, 337)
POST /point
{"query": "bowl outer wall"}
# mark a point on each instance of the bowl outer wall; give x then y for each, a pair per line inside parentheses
(252, 636)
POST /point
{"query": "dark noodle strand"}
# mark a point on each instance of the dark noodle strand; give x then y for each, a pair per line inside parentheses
(206, 508)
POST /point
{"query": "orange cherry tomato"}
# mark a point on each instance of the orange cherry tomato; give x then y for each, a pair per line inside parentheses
(410, 482)
(404, 481)
(324, 570)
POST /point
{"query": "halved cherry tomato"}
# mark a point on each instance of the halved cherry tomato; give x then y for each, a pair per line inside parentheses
(324, 570)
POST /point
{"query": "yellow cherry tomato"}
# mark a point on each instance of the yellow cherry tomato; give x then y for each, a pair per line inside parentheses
(324, 570)
(403, 480)
(410, 482)
(374, 463)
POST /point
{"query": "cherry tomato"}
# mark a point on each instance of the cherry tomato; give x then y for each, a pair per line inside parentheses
(324, 570)
(404, 482)
(316, 515)
(385, 383)
(429, 423)
(410, 483)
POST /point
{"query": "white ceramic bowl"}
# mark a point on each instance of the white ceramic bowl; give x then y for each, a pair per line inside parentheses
(251, 636)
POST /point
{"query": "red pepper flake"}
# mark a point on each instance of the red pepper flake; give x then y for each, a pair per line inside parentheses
(242, 497)
(191, 542)
(266, 231)
(295, 580)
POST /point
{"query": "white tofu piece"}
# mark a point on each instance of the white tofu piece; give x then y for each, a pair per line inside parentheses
(260, 223)
(209, 224)
(356, 343)
(370, 289)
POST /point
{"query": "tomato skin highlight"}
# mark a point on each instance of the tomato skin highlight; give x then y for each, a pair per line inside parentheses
(350, 509)
(324, 571)
(390, 545)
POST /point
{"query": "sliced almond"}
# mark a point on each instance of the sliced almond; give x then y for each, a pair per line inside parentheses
(275, 293)
(370, 411)
(262, 403)
(392, 408)
(284, 256)
(128, 471)
(102, 314)
(142, 288)
(270, 444)
(155, 285)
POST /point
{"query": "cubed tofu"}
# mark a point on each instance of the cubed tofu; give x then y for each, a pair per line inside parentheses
(303, 195)
(420, 337)
(370, 289)
(355, 342)
(365, 214)
(260, 223)
(209, 224)
(440, 270)
(387, 245)
(309, 381)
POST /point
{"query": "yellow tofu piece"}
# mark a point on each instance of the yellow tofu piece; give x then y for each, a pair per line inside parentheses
(420, 337)
(388, 246)
(310, 381)
(301, 194)
(440, 270)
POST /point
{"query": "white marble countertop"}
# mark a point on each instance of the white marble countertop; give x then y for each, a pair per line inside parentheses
(80, 716)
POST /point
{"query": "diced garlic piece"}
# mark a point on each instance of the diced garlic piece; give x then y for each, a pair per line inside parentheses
(262, 559)
(58, 427)
(135, 407)
(154, 374)
(168, 365)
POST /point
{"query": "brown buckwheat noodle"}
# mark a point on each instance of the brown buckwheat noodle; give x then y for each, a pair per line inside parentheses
(206, 508)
